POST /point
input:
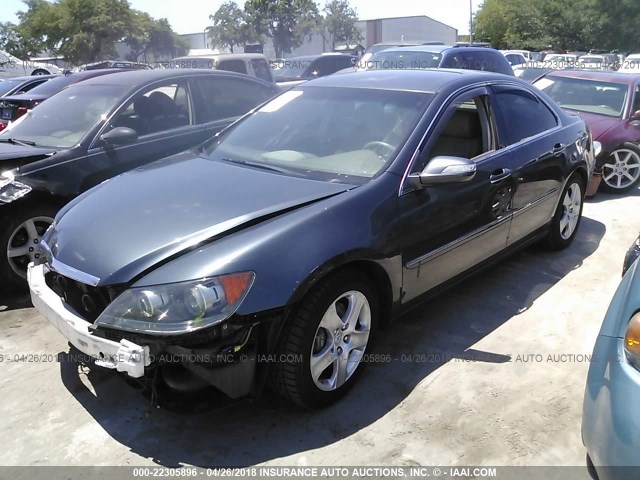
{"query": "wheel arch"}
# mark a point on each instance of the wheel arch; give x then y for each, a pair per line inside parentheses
(378, 275)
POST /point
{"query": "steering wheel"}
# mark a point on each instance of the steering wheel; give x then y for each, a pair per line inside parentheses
(380, 148)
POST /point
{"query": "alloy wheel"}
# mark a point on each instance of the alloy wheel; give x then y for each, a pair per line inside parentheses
(25, 243)
(340, 340)
(622, 169)
(571, 206)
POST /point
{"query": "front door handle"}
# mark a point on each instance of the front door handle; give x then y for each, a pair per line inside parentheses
(500, 175)
(558, 148)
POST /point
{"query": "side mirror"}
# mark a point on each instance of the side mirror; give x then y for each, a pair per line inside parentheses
(444, 170)
(635, 118)
(120, 136)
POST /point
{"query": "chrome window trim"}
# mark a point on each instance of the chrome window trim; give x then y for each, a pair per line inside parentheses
(445, 104)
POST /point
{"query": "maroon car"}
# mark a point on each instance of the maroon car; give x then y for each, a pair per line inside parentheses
(610, 105)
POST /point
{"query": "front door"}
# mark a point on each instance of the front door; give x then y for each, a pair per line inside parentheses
(448, 229)
(164, 118)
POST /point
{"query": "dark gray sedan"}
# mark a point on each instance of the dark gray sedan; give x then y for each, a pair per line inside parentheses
(98, 128)
(274, 252)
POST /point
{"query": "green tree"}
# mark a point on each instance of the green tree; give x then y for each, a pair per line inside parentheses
(13, 42)
(226, 29)
(339, 23)
(287, 22)
(87, 30)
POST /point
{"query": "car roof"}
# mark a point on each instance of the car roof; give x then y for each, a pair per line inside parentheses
(136, 78)
(419, 48)
(614, 77)
(223, 56)
(426, 81)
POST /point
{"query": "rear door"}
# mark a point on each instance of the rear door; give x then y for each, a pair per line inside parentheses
(532, 135)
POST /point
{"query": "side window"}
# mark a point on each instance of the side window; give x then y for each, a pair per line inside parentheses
(524, 114)
(237, 66)
(28, 87)
(338, 62)
(157, 109)
(636, 100)
(230, 97)
(261, 67)
(467, 132)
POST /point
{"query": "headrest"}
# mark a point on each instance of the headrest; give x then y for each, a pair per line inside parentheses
(463, 124)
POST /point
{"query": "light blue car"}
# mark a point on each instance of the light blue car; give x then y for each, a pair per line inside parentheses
(611, 412)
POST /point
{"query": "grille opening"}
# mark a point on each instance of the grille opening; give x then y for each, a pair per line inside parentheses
(88, 301)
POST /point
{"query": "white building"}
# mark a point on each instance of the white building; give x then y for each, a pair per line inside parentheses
(419, 28)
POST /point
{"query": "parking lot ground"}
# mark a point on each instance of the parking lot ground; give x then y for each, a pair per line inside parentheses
(475, 377)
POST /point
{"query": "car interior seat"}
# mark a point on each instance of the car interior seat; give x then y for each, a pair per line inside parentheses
(462, 136)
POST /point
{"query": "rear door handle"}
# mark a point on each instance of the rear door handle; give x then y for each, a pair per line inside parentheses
(500, 175)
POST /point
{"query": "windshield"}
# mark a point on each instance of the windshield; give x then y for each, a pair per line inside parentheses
(8, 85)
(584, 95)
(291, 68)
(64, 119)
(331, 134)
(401, 60)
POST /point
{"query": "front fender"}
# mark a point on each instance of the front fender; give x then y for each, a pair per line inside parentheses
(291, 252)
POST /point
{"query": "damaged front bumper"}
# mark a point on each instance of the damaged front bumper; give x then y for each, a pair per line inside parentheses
(223, 356)
(123, 356)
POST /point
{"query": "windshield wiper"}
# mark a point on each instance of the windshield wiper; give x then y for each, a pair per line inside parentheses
(271, 168)
(15, 141)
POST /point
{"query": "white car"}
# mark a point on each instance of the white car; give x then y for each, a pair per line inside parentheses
(11, 66)
(525, 53)
(515, 59)
(630, 64)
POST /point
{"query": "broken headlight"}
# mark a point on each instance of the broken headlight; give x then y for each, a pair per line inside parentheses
(177, 307)
(10, 189)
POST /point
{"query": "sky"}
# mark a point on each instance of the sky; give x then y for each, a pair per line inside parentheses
(190, 16)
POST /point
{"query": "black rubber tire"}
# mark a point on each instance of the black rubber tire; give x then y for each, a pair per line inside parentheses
(10, 280)
(554, 240)
(293, 380)
(40, 71)
(606, 188)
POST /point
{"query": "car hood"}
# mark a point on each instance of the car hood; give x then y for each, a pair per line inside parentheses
(25, 154)
(129, 224)
(598, 124)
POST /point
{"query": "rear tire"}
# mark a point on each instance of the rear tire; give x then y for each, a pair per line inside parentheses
(22, 229)
(565, 222)
(325, 339)
(40, 71)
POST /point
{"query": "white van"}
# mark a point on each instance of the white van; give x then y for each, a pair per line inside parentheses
(252, 64)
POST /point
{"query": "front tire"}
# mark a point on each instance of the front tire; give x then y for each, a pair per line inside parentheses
(20, 238)
(565, 222)
(324, 342)
(40, 71)
(621, 171)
